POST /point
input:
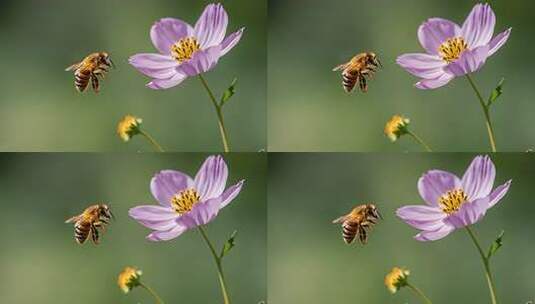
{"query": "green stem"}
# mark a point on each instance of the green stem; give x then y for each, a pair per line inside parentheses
(420, 141)
(219, 111)
(485, 107)
(217, 259)
(151, 140)
(152, 292)
(419, 293)
(488, 274)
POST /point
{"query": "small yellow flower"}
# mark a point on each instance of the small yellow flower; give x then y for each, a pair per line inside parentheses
(129, 278)
(396, 126)
(128, 127)
(396, 279)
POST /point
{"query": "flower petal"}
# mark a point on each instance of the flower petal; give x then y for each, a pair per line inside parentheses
(211, 179)
(497, 42)
(478, 179)
(152, 213)
(168, 183)
(202, 61)
(469, 213)
(427, 84)
(422, 65)
(162, 84)
(167, 31)
(231, 41)
(478, 27)
(202, 213)
(443, 231)
(157, 236)
(211, 27)
(422, 217)
(434, 32)
(469, 62)
(162, 225)
(154, 65)
(498, 194)
(435, 183)
(230, 194)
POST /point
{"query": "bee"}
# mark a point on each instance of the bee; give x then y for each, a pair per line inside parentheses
(88, 223)
(358, 222)
(358, 69)
(88, 70)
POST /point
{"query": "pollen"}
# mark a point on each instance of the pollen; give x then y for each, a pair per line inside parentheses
(396, 279)
(184, 49)
(452, 201)
(128, 127)
(396, 126)
(452, 49)
(129, 278)
(184, 201)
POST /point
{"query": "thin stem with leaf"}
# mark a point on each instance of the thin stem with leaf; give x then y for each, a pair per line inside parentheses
(419, 294)
(151, 140)
(219, 111)
(486, 111)
(420, 141)
(152, 293)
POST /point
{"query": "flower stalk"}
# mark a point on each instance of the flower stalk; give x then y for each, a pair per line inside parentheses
(419, 293)
(152, 141)
(152, 293)
(486, 111)
(218, 262)
(486, 264)
(219, 111)
(420, 141)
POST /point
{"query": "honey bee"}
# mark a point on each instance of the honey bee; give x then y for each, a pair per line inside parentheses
(93, 66)
(358, 222)
(358, 69)
(88, 223)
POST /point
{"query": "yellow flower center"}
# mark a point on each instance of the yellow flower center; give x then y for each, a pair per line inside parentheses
(396, 279)
(128, 127)
(185, 48)
(395, 127)
(452, 49)
(184, 201)
(452, 201)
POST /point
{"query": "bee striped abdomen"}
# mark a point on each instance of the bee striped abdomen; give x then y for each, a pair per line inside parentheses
(349, 231)
(82, 78)
(81, 231)
(349, 80)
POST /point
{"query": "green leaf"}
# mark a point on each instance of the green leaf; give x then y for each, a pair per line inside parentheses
(229, 244)
(496, 245)
(496, 92)
(229, 92)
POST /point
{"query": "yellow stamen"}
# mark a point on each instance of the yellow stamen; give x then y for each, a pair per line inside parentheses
(128, 127)
(452, 201)
(452, 49)
(185, 48)
(396, 127)
(396, 279)
(129, 278)
(184, 201)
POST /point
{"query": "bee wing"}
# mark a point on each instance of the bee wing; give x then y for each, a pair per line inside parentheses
(73, 67)
(340, 67)
(340, 219)
(73, 219)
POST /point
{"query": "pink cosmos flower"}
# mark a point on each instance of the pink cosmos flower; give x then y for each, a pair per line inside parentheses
(452, 202)
(186, 203)
(186, 51)
(453, 51)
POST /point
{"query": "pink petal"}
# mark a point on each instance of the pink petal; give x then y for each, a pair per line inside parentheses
(469, 62)
(422, 65)
(436, 183)
(498, 194)
(443, 231)
(428, 84)
(478, 179)
(167, 31)
(202, 213)
(202, 61)
(152, 213)
(231, 41)
(434, 32)
(469, 213)
(498, 41)
(420, 213)
(230, 194)
(161, 84)
(211, 27)
(154, 65)
(478, 27)
(157, 236)
(167, 183)
(211, 179)
(163, 225)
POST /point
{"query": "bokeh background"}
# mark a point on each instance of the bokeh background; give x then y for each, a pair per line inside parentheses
(308, 191)
(41, 111)
(309, 110)
(41, 263)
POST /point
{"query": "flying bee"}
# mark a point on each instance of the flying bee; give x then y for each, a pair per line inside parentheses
(88, 222)
(359, 69)
(358, 222)
(88, 70)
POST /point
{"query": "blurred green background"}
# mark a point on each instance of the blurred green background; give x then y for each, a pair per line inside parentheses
(41, 263)
(308, 191)
(41, 111)
(309, 110)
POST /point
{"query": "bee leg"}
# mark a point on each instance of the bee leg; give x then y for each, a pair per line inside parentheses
(363, 235)
(95, 83)
(363, 84)
(94, 234)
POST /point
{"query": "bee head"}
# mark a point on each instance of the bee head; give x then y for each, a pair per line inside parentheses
(373, 211)
(106, 211)
(106, 59)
